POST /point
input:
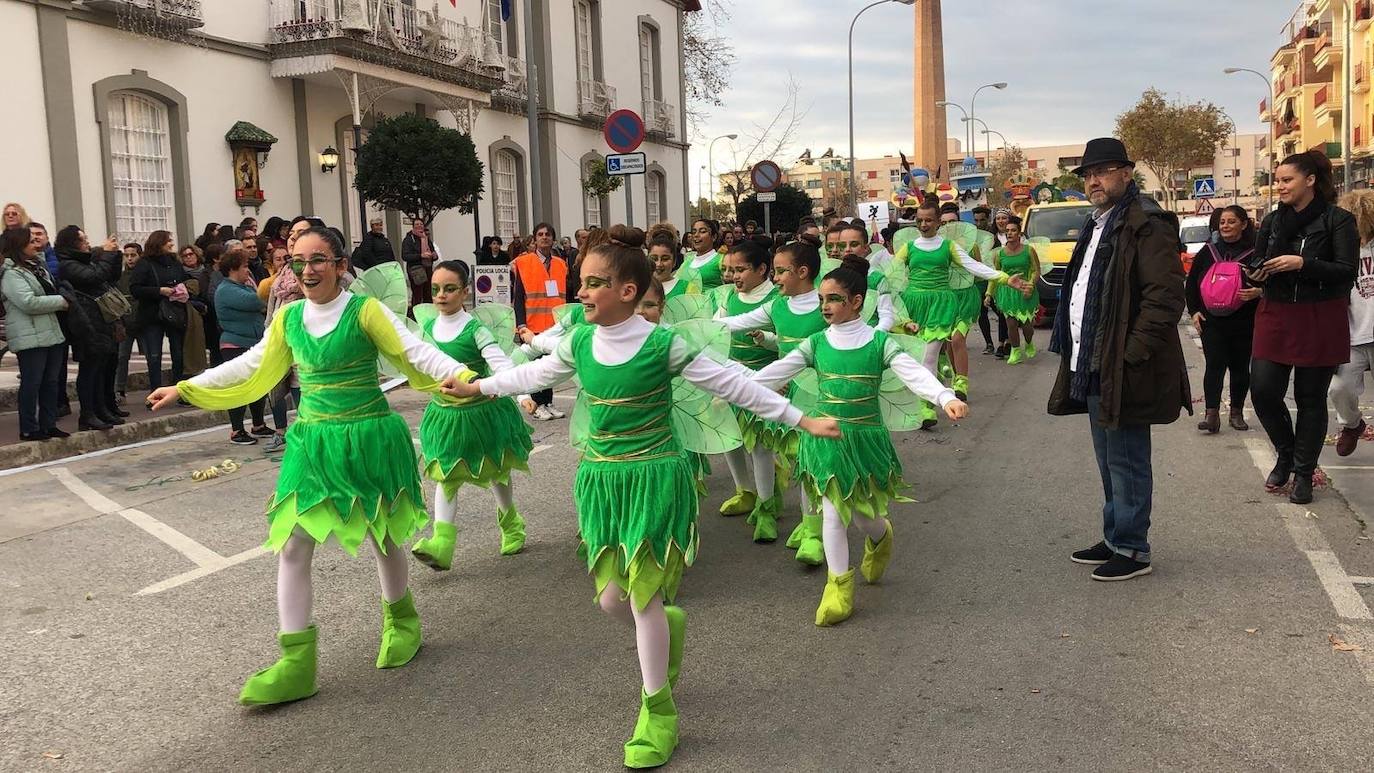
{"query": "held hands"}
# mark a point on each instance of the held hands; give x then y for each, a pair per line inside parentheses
(756, 336)
(820, 427)
(163, 397)
(956, 409)
(987, 301)
(461, 385)
(525, 334)
(911, 328)
(1019, 283)
(1197, 320)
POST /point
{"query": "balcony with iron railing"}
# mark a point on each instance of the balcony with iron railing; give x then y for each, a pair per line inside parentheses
(1264, 110)
(595, 100)
(1329, 49)
(387, 32)
(1364, 11)
(660, 118)
(174, 14)
(1359, 78)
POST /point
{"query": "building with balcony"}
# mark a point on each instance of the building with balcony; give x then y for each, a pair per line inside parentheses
(129, 102)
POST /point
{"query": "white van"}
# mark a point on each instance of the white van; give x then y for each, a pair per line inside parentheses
(1193, 231)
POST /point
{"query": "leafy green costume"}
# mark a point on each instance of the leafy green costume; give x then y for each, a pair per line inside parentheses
(752, 356)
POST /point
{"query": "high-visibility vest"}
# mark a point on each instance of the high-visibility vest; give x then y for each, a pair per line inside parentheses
(539, 303)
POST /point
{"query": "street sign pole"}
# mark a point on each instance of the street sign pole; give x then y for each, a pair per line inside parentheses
(629, 203)
(768, 219)
(624, 131)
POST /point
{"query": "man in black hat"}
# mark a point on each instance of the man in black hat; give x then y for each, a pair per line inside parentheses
(1121, 362)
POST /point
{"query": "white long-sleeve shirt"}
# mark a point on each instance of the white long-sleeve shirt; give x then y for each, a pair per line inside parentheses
(853, 335)
(980, 270)
(1077, 301)
(448, 326)
(321, 319)
(617, 344)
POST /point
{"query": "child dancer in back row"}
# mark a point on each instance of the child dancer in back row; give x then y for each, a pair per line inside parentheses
(636, 500)
(477, 443)
(856, 475)
(791, 318)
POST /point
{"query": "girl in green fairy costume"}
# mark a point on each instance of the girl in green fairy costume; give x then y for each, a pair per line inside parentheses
(477, 443)
(664, 254)
(747, 266)
(782, 325)
(856, 475)
(636, 500)
(349, 471)
(702, 265)
(1017, 258)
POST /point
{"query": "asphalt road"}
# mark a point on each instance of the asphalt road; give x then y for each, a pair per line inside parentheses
(983, 648)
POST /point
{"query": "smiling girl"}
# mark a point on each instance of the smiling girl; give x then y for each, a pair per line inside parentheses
(856, 475)
(703, 264)
(476, 443)
(664, 255)
(349, 471)
(635, 496)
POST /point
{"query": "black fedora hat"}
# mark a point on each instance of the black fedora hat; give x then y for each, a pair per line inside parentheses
(1103, 150)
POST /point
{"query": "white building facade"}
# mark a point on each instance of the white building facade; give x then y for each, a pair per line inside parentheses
(119, 109)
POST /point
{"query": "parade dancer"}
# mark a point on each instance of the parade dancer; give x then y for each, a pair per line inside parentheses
(856, 475)
(703, 264)
(664, 254)
(854, 242)
(783, 324)
(934, 300)
(1016, 258)
(747, 266)
(349, 471)
(636, 500)
(477, 443)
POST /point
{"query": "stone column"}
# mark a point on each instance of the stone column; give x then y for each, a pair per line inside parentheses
(928, 122)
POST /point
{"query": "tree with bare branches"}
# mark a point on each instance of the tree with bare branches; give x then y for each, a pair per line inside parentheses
(708, 58)
(769, 141)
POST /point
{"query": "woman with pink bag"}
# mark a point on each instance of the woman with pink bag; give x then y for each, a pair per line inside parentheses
(1223, 312)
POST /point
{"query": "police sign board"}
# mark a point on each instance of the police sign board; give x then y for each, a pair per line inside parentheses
(625, 163)
(492, 284)
(1204, 187)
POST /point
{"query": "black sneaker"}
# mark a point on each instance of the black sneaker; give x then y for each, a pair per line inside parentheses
(1094, 556)
(1119, 567)
(989, 349)
(263, 431)
(58, 434)
(241, 438)
(1302, 490)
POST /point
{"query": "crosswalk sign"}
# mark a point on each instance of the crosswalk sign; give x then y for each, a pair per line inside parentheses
(1204, 187)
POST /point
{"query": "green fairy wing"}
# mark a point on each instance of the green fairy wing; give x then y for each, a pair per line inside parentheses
(719, 296)
(383, 364)
(986, 242)
(702, 422)
(705, 336)
(387, 283)
(425, 313)
(569, 315)
(499, 319)
(870, 309)
(687, 274)
(965, 235)
(904, 237)
(827, 265)
(579, 423)
(686, 307)
(902, 409)
(805, 390)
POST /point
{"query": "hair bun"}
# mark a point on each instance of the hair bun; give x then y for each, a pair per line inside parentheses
(626, 236)
(855, 262)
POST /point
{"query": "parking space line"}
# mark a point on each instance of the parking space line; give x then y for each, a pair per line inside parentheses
(195, 552)
(203, 571)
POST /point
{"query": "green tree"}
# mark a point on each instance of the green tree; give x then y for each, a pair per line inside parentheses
(1067, 181)
(1007, 166)
(785, 214)
(413, 165)
(1171, 138)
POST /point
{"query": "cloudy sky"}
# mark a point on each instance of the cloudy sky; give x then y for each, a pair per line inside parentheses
(1072, 66)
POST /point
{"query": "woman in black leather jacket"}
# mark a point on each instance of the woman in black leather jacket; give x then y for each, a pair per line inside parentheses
(1309, 248)
(93, 339)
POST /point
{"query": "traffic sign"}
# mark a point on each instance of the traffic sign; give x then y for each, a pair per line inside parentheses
(1204, 187)
(768, 197)
(1205, 207)
(625, 163)
(766, 176)
(624, 131)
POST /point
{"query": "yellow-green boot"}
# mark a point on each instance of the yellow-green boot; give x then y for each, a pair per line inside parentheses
(512, 531)
(742, 502)
(837, 600)
(876, 556)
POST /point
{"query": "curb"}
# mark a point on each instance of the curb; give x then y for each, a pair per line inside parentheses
(23, 454)
(138, 382)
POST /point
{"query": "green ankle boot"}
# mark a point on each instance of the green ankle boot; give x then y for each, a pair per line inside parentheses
(739, 504)
(811, 551)
(677, 633)
(837, 600)
(436, 552)
(400, 632)
(765, 518)
(960, 386)
(876, 556)
(794, 540)
(512, 531)
(291, 678)
(655, 735)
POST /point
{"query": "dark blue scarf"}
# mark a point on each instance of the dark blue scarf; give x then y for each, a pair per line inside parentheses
(1085, 374)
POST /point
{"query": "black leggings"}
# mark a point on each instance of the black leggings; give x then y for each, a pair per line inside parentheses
(95, 383)
(1226, 350)
(1268, 386)
(985, 325)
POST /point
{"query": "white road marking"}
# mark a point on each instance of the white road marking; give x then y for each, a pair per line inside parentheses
(202, 571)
(1362, 580)
(1348, 466)
(194, 551)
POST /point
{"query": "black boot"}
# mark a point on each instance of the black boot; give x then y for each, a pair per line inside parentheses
(1302, 490)
(109, 418)
(89, 421)
(1283, 469)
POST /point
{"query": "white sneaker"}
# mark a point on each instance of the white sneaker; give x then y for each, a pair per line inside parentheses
(555, 413)
(541, 413)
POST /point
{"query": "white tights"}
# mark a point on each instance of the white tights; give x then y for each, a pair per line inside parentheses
(931, 356)
(446, 508)
(294, 585)
(651, 634)
(835, 537)
(762, 482)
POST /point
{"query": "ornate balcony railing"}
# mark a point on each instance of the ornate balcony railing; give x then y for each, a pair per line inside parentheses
(171, 14)
(595, 99)
(660, 117)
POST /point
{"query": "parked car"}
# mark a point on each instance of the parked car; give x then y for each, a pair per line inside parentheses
(1193, 231)
(1053, 230)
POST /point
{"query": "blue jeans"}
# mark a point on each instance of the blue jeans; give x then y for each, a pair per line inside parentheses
(150, 341)
(40, 386)
(1123, 461)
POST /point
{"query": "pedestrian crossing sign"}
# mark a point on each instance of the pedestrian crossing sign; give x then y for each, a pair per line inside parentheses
(1204, 187)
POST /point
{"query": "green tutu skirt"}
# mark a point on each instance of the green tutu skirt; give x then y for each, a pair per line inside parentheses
(347, 479)
(477, 443)
(638, 522)
(755, 430)
(858, 472)
(939, 313)
(970, 307)
(1011, 303)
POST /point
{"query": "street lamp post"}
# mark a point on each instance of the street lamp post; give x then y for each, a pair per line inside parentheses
(711, 171)
(972, 105)
(947, 103)
(701, 185)
(853, 186)
(1000, 135)
(1269, 85)
(987, 159)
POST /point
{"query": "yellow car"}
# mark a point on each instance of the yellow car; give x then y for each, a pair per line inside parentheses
(1053, 230)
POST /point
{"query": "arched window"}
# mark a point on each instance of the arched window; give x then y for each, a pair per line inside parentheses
(140, 166)
(505, 183)
(653, 197)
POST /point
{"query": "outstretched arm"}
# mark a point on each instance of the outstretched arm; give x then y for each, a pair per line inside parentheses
(423, 364)
(980, 270)
(543, 373)
(777, 373)
(757, 319)
(239, 381)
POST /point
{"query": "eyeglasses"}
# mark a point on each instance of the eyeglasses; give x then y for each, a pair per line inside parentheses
(316, 263)
(1100, 171)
